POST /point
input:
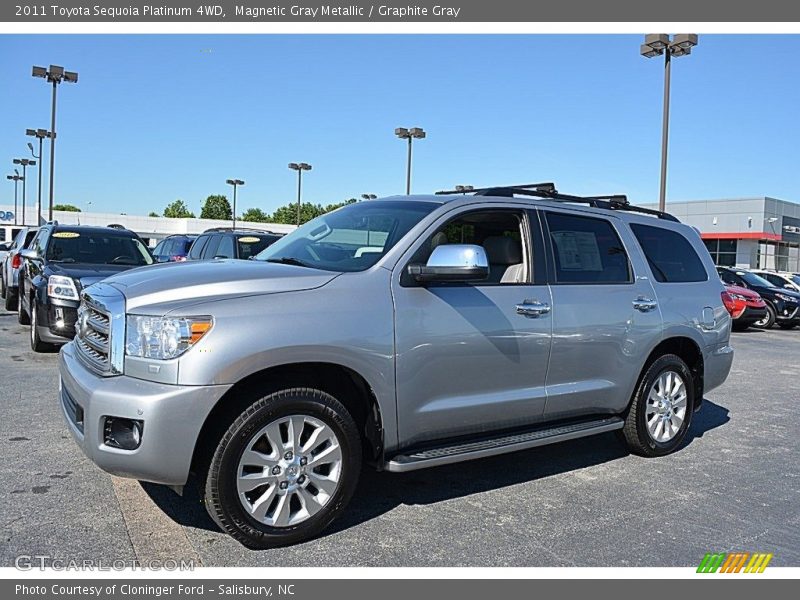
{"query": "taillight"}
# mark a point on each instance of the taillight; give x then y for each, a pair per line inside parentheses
(730, 304)
(734, 305)
(16, 261)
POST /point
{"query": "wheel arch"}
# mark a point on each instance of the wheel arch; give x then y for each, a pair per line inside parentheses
(689, 351)
(343, 383)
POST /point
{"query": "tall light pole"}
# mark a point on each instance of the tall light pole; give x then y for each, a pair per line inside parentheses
(54, 75)
(40, 134)
(409, 134)
(299, 167)
(235, 183)
(25, 163)
(368, 196)
(16, 179)
(656, 44)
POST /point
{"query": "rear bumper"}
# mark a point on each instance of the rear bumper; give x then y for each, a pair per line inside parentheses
(172, 418)
(717, 361)
(752, 314)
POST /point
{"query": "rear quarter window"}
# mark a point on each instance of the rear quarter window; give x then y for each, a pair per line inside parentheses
(671, 257)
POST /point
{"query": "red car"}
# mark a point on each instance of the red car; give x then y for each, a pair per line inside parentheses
(745, 306)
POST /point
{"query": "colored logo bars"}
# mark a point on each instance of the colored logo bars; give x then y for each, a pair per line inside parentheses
(734, 562)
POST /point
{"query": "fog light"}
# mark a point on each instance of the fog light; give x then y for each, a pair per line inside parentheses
(125, 434)
(59, 318)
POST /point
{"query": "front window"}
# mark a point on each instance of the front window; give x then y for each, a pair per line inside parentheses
(352, 238)
(753, 279)
(97, 248)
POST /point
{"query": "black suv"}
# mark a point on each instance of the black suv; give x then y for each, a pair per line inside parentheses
(62, 260)
(173, 248)
(783, 306)
(224, 242)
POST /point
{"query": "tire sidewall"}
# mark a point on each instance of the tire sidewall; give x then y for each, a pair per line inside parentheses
(665, 363)
(225, 465)
(772, 316)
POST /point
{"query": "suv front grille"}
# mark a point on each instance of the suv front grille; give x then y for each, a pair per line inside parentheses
(93, 337)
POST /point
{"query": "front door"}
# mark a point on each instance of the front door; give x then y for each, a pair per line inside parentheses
(467, 360)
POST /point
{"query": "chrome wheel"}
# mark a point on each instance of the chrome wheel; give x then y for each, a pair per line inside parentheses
(33, 325)
(289, 470)
(666, 406)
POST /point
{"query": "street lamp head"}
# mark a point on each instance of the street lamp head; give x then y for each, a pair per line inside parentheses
(368, 196)
(416, 132)
(30, 146)
(17, 161)
(294, 166)
(31, 163)
(685, 40)
(402, 132)
(464, 188)
(649, 52)
(230, 182)
(30, 132)
(39, 72)
(305, 166)
(56, 71)
(656, 41)
(70, 77)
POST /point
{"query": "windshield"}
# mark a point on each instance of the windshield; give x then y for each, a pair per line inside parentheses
(753, 279)
(352, 238)
(97, 249)
(795, 279)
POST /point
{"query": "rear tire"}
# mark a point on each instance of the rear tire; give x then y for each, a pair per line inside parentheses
(768, 321)
(11, 300)
(2, 287)
(253, 454)
(23, 318)
(661, 410)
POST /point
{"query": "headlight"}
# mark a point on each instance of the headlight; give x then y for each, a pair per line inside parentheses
(163, 338)
(62, 288)
(786, 298)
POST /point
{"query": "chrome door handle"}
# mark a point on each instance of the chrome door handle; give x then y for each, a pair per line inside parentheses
(532, 308)
(644, 304)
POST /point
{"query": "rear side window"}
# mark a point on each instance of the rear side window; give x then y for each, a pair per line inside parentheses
(250, 245)
(198, 246)
(671, 256)
(587, 250)
(225, 248)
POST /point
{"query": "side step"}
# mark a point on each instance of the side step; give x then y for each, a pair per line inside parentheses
(501, 445)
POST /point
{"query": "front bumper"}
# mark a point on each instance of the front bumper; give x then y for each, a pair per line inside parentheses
(56, 321)
(789, 312)
(173, 416)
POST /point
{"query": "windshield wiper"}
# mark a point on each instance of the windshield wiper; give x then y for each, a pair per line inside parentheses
(289, 260)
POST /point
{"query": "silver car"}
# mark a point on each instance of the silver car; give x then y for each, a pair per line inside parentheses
(403, 333)
(10, 265)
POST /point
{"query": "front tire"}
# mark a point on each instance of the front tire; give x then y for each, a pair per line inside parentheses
(37, 345)
(11, 300)
(285, 468)
(661, 409)
(768, 321)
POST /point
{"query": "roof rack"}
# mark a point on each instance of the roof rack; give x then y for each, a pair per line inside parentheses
(547, 191)
(253, 229)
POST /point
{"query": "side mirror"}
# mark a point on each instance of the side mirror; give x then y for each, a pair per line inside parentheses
(453, 262)
(29, 254)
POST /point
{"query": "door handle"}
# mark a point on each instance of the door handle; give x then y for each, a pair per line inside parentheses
(644, 304)
(532, 308)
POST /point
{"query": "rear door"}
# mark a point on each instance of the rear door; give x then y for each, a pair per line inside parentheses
(605, 315)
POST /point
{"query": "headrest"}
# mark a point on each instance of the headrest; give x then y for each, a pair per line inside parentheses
(502, 250)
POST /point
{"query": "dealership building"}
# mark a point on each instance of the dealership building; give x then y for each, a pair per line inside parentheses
(760, 232)
(150, 229)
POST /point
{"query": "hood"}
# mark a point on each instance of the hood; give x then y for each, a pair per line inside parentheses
(204, 280)
(86, 273)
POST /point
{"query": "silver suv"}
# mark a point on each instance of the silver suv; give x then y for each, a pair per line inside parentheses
(404, 333)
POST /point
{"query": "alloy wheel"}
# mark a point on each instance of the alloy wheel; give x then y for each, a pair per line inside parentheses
(666, 406)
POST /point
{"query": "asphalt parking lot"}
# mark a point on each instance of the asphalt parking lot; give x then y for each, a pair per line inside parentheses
(735, 485)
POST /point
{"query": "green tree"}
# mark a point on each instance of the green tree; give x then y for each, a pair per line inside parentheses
(287, 214)
(66, 207)
(178, 210)
(153, 214)
(255, 214)
(216, 207)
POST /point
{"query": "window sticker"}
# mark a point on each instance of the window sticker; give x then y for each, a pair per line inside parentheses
(66, 234)
(249, 240)
(578, 250)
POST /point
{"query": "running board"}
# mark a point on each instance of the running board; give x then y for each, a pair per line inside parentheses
(501, 445)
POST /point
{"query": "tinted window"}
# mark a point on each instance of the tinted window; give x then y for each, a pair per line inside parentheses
(587, 250)
(159, 249)
(225, 248)
(670, 255)
(250, 245)
(197, 247)
(182, 246)
(210, 251)
(729, 278)
(96, 247)
(775, 280)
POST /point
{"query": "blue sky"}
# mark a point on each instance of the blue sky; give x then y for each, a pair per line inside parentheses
(155, 118)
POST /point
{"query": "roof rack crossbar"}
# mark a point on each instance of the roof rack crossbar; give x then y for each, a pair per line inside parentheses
(547, 191)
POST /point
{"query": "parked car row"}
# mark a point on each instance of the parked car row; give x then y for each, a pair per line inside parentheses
(47, 267)
(761, 298)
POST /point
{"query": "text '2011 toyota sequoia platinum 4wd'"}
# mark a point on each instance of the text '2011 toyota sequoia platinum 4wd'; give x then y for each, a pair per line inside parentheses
(405, 333)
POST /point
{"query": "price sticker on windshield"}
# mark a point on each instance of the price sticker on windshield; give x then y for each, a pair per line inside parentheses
(249, 240)
(66, 234)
